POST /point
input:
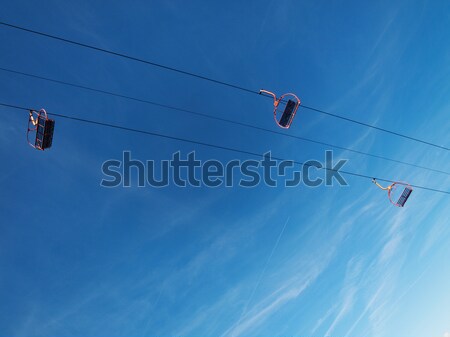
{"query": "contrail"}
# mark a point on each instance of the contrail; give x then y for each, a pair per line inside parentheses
(262, 274)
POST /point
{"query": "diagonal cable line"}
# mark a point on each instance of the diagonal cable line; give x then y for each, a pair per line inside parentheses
(374, 127)
(103, 50)
(234, 86)
(204, 115)
(221, 147)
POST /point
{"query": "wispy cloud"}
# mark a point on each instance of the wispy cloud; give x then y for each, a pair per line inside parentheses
(264, 310)
(291, 288)
(437, 232)
(348, 292)
(322, 319)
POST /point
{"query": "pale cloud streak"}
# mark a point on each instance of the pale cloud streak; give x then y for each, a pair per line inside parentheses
(348, 292)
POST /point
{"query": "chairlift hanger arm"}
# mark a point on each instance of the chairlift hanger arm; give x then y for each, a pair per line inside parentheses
(275, 100)
(383, 188)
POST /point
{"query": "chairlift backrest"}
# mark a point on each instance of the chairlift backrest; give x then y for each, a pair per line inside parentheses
(286, 117)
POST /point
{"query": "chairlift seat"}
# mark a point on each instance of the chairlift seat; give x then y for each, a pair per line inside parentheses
(404, 197)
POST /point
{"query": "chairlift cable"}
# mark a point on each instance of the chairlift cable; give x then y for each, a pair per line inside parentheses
(204, 115)
(226, 148)
(206, 78)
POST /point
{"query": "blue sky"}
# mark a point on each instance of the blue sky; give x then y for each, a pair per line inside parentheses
(77, 259)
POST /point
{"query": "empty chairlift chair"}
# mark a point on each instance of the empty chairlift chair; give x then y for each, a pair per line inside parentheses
(40, 130)
(394, 190)
(290, 102)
